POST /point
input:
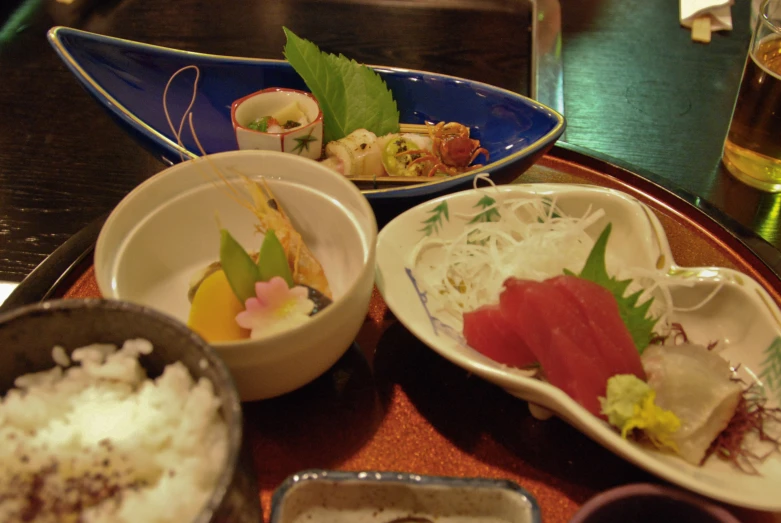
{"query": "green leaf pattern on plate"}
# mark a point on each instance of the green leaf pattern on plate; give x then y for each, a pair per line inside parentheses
(441, 213)
(771, 367)
(433, 223)
(489, 214)
(303, 143)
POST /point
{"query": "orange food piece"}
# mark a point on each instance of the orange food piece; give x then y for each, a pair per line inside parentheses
(214, 309)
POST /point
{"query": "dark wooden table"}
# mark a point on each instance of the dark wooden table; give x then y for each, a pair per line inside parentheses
(635, 88)
(638, 89)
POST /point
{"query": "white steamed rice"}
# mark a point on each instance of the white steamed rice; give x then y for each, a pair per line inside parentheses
(100, 442)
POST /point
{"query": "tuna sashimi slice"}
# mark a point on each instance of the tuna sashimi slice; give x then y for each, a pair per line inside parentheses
(550, 309)
(600, 309)
(586, 381)
(559, 337)
(486, 331)
(512, 304)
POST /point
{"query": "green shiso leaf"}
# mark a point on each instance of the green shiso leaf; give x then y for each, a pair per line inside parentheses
(272, 260)
(240, 270)
(635, 316)
(351, 95)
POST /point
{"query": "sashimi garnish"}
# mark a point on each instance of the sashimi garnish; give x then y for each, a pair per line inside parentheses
(533, 239)
(630, 406)
(634, 315)
(753, 417)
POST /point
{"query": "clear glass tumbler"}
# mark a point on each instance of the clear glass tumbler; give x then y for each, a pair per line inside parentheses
(752, 151)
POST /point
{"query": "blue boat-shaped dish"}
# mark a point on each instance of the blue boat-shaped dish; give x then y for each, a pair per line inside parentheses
(128, 79)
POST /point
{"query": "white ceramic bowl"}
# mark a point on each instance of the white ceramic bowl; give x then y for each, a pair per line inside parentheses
(165, 230)
(305, 140)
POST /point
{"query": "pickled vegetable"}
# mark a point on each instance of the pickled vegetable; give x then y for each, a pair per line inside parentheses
(291, 114)
(214, 309)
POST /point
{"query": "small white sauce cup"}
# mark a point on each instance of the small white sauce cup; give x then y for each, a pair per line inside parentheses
(305, 140)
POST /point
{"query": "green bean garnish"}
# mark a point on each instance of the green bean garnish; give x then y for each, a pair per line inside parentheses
(240, 270)
(272, 260)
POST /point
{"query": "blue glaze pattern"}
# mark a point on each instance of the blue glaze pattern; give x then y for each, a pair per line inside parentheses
(128, 79)
(439, 327)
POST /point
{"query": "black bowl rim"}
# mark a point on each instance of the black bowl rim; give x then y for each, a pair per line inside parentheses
(650, 490)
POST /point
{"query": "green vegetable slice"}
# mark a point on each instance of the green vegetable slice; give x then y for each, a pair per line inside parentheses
(240, 270)
(398, 164)
(635, 316)
(351, 95)
(261, 124)
(272, 260)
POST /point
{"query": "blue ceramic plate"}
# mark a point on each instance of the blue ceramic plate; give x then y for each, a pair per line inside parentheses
(128, 79)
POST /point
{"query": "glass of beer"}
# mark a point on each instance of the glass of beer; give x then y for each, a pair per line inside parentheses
(752, 151)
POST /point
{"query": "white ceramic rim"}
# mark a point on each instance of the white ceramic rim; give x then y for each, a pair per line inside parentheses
(236, 106)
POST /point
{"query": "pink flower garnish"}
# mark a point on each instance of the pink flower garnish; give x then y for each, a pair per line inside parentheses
(276, 308)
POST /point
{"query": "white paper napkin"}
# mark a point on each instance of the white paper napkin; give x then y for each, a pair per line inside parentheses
(720, 11)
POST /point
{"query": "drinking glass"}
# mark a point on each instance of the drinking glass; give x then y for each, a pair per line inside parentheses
(752, 150)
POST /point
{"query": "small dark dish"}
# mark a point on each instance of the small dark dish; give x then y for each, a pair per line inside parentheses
(330, 496)
(28, 334)
(648, 503)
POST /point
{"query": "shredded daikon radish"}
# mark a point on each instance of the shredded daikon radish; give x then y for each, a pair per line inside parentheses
(658, 285)
(533, 240)
(654, 284)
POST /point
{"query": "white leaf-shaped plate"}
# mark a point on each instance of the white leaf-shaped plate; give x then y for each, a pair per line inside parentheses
(741, 313)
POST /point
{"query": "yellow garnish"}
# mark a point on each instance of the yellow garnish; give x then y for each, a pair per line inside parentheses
(630, 405)
(657, 423)
(214, 309)
(460, 286)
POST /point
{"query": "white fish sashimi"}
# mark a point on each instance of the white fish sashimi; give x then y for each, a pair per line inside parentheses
(696, 385)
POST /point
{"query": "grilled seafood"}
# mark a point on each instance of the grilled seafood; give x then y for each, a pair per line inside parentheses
(452, 149)
(303, 264)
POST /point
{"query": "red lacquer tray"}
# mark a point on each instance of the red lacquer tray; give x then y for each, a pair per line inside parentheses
(392, 404)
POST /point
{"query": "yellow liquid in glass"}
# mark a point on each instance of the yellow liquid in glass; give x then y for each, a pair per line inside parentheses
(752, 151)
